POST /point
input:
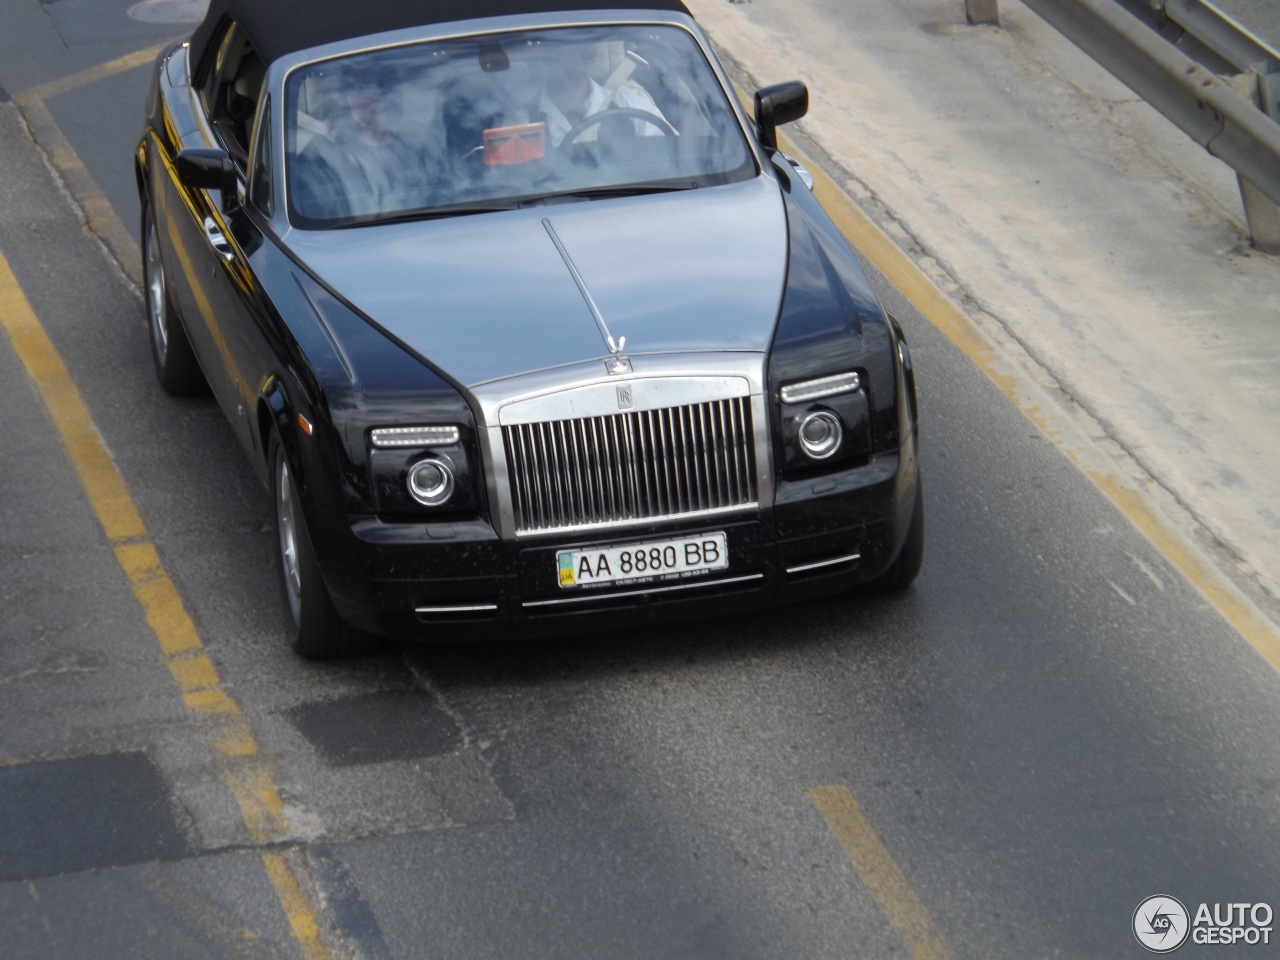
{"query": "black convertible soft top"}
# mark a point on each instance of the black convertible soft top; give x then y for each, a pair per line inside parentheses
(279, 27)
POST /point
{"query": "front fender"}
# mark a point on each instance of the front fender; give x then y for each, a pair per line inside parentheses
(275, 414)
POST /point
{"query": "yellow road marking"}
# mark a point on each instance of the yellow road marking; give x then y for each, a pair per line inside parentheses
(880, 874)
(1219, 591)
(903, 273)
(104, 71)
(297, 906)
(99, 215)
(261, 807)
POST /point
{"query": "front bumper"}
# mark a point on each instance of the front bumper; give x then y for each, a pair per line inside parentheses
(459, 581)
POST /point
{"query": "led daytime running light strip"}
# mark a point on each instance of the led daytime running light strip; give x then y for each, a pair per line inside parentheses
(414, 436)
(821, 387)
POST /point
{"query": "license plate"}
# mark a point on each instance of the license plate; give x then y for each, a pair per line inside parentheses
(654, 561)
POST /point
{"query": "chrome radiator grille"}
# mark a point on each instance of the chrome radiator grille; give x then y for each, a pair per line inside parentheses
(631, 466)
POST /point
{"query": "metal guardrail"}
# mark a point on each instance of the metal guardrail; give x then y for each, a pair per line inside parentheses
(1237, 47)
(1205, 106)
(1217, 31)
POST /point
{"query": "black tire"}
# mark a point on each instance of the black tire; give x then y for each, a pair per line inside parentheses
(315, 629)
(906, 566)
(176, 366)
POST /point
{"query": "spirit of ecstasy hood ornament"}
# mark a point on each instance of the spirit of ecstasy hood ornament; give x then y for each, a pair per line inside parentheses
(617, 363)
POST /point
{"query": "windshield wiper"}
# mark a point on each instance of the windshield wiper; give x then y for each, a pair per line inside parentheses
(464, 209)
(431, 213)
(620, 190)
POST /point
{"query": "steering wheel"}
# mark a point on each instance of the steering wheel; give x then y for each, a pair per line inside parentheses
(586, 123)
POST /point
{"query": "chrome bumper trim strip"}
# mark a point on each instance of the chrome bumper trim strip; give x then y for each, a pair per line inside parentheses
(632, 593)
(805, 567)
(477, 608)
(637, 521)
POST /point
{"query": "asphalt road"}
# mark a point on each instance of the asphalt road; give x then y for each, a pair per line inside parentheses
(1049, 728)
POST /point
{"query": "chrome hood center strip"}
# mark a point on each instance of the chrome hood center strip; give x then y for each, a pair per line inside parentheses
(614, 348)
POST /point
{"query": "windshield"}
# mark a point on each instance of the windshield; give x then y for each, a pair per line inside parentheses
(483, 123)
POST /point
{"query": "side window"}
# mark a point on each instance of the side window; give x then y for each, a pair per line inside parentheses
(231, 90)
(260, 194)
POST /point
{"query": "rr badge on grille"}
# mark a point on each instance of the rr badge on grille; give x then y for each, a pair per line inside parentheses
(624, 396)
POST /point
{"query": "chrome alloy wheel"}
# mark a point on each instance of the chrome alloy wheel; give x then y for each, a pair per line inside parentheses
(287, 527)
(157, 313)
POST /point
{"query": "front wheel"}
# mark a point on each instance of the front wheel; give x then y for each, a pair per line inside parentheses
(315, 629)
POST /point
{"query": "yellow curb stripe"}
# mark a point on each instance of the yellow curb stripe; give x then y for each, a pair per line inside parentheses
(235, 740)
(193, 673)
(93, 465)
(880, 874)
(100, 217)
(1220, 592)
(261, 807)
(906, 276)
(297, 907)
(209, 702)
(156, 593)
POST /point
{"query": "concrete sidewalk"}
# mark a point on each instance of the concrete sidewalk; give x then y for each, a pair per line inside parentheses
(1103, 250)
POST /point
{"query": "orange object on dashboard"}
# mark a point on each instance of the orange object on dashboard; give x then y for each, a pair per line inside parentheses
(518, 143)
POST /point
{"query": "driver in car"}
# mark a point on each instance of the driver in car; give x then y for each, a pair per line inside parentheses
(571, 94)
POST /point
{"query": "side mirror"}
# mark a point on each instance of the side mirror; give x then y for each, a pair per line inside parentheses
(205, 168)
(779, 104)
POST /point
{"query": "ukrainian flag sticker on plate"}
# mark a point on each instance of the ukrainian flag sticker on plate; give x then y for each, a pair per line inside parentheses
(566, 570)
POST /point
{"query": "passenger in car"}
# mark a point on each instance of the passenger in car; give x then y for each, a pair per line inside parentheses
(369, 149)
(393, 167)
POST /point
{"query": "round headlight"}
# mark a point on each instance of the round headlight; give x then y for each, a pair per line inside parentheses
(820, 435)
(430, 482)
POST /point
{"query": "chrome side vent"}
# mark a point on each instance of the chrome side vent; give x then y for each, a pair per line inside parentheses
(632, 466)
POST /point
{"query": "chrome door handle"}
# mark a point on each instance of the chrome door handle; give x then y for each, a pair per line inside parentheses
(218, 240)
